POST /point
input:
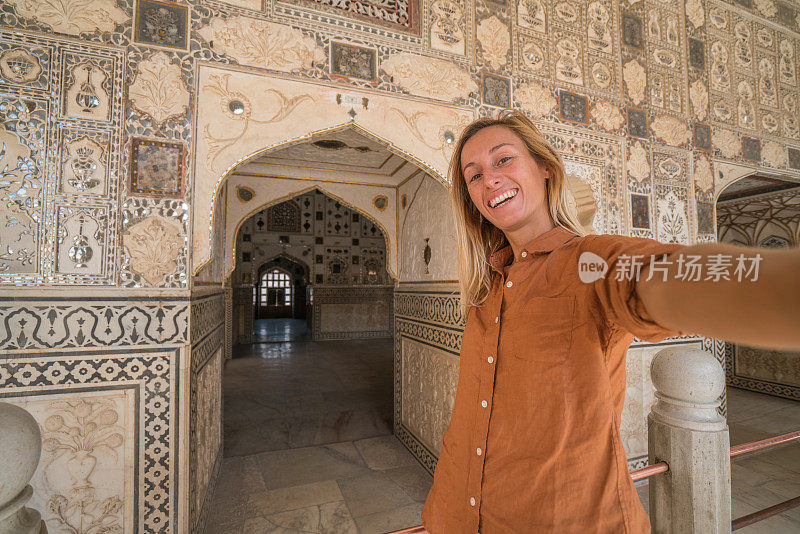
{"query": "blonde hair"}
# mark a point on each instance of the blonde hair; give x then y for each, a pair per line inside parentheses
(477, 237)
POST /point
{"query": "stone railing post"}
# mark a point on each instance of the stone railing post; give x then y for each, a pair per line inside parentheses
(687, 432)
(20, 447)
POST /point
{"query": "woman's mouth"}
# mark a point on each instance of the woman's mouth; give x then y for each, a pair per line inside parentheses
(502, 198)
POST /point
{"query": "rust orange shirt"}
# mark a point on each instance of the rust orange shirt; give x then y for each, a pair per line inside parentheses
(533, 444)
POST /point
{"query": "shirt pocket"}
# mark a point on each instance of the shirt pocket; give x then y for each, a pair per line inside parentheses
(542, 330)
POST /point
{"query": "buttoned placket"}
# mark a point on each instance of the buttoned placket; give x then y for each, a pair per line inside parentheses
(484, 402)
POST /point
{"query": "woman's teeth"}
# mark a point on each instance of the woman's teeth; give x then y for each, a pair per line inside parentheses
(503, 198)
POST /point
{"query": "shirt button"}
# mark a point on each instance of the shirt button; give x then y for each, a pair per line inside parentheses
(490, 359)
(478, 451)
(484, 404)
(497, 319)
(509, 283)
(524, 254)
(472, 501)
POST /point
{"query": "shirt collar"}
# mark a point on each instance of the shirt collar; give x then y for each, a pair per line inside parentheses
(546, 242)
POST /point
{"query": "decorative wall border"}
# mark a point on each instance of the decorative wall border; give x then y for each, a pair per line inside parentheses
(86, 322)
(754, 384)
(207, 312)
(154, 373)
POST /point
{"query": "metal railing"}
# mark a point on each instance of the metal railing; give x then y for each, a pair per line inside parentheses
(776, 509)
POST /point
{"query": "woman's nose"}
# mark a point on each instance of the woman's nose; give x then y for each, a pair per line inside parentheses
(492, 178)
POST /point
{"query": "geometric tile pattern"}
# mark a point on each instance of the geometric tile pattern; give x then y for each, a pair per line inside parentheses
(760, 361)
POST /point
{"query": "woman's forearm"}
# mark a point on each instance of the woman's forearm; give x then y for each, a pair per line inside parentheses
(759, 308)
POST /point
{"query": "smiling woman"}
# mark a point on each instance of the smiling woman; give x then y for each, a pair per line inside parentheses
(533, 443)
(489, 150)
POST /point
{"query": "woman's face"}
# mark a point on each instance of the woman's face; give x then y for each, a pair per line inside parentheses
(504, 181)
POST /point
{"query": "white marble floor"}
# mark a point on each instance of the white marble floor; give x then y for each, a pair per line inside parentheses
(763, 479)
(308, 441)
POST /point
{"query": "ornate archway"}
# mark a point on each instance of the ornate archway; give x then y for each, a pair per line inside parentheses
(233, 99)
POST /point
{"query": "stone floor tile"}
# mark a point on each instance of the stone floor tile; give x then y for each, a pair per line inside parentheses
(262, 436)
(372, 493)
(270, 502)
(226, 516)
(384, 452)
(351, 425)
(397, 519)
(328, 518)
(414, 480)
(310, 464)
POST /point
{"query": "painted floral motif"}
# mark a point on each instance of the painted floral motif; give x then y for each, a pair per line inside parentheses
(237, 107)
(698, 94)
(695, 13)
(638, 165)
(81, 431)
(259, 43)
(74, 17)
(536, 99)
(703, 176)
(495, 40)
(154, 244)
(19, 192)
(672, 225)
(671, 130)
(86, 96)
(635, 80)
(158, 89)
(432, 131)
(607, 116)
(20, 66)
(84, 170)
(568, 62)
(429, 77)
(447, 20)
(728, 143)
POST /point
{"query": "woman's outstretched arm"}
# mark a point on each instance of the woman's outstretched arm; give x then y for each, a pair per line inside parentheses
(757, 305)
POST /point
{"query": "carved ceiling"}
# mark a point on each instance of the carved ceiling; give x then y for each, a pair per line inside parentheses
(341, 155)
(754, 185)
(749, 216)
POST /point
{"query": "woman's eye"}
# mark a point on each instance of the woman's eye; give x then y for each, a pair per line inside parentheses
(475, 177)
(503, 160)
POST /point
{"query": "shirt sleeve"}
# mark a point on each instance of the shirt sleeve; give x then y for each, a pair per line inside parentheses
(616, 290)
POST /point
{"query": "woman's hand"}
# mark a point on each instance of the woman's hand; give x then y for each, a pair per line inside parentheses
(759, 309)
